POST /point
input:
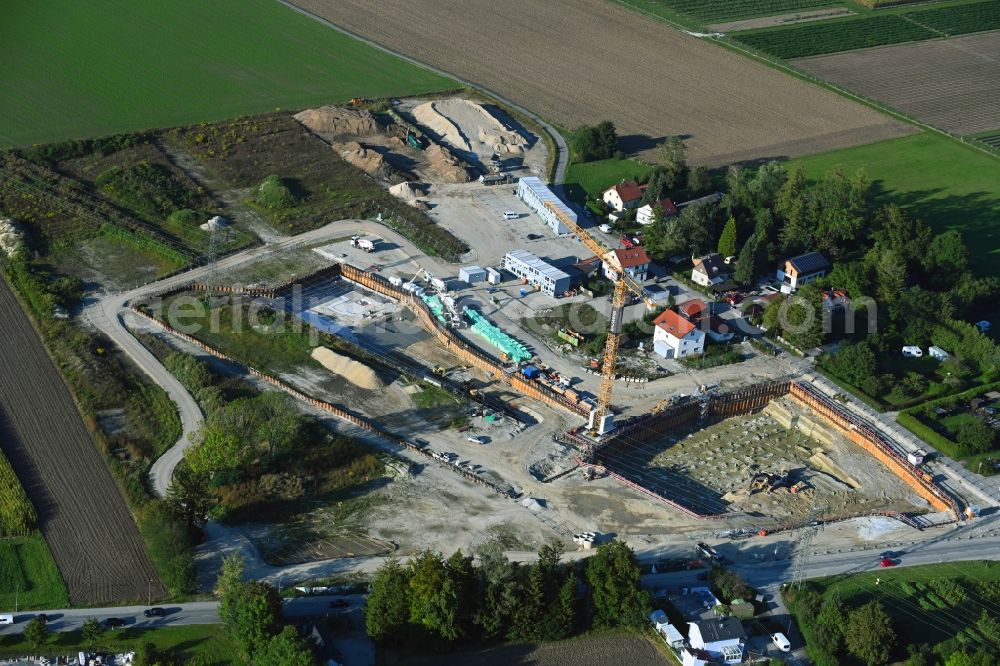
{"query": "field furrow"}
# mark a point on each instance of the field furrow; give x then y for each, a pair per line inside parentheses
(93, 538)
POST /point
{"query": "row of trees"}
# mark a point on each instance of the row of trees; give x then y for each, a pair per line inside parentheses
(432, 599)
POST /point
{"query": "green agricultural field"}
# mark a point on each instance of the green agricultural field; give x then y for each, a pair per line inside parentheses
(206, 643)
(80, 69)
(960, 19)
(28, 575)
(809, 39)
(928, 604)
(589, 179)
(935, 178)
(717, 10)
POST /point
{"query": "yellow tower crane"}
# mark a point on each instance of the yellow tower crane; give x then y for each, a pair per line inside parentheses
(601, 418)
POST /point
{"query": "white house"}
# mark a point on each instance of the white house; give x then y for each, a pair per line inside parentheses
(624, 195)
(676, 337)
(644, 215)
(801, 270)
(722, 638)
(634, 261)
(710, 270)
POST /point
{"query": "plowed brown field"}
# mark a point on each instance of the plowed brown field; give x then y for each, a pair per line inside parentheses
(81, 514)
(582, 61)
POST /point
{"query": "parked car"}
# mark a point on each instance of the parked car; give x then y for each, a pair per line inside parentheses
(781, 642)
(155, 611)
(534, 236)
(476, 439)
(113, 622)
(339, 603)
(885, 563)
(42, 617)
(6, 619)
(889, 554)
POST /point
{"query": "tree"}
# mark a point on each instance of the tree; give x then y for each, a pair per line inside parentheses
(189, 498)
(595, 142)
(531, 612)
(947, 259)
(790, 207)
(727, 241)
(763, 187)
(976, 437)
(219, 450)
(252, 615)
(426, 573)
(898, 232)
(387, 609)
(673, 161)
(501, 591)
(872, 636)
(890, 271)
(230, 578)
(613, 574)
(91, 632)
(699, 181)
(287, 648)
(36, 632)
(854, 363)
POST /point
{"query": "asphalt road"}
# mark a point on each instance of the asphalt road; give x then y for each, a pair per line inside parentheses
(196, 612)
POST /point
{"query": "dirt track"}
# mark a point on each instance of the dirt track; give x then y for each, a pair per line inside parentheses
(81, 513)
(581, 61)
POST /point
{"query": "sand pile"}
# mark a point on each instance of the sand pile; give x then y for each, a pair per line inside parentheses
(370, 161)
(353, 371)
(333, 121)
(467, 126)
(446, 167)
(409, 191)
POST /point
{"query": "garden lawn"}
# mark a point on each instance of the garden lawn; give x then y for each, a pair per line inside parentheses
(189, 642)
(946, 184)
(82, 69)
(589, 179)
(28, 572)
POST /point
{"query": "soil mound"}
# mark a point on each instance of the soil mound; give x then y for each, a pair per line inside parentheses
(409, 191)
(446, 167)
(467, 126)
(353, 371)
(370, 161)
(333, 121)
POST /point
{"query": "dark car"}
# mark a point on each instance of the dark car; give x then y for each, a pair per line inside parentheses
(534, 236)
(156, 611)
(113, 622)
(339, 603)
(702, 576)
(42, 617)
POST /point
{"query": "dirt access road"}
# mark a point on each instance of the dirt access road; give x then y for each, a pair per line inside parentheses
(652, 80)
(81, 514)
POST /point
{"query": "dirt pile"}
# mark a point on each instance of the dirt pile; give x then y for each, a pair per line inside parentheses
(409, 191)
(445, 167)
(370, 161)
(353, 371)
(334, 121)
(468, 126)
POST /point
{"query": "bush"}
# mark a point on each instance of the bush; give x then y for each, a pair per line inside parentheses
(597, 142)
(273, 194)
(17, 515)
(167, 538)
(146, 187)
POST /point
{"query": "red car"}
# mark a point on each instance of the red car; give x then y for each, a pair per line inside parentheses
(886, 563)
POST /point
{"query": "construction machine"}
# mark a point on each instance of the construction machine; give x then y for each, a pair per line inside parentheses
(601, 419)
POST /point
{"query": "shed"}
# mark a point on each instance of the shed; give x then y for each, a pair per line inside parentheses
(493, 276)
(531, 372)
(471, 274)
(670, 634)
(938, 353)
(916, 457)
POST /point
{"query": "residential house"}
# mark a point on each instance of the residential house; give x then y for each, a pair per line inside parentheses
(801, 270)
(722, 638)
(585, 269)
(711, 270)
(693, 310)
(644, 215)
(624, 195)
(633, 260)
(720, 330)
(692, 657)
(676, 337)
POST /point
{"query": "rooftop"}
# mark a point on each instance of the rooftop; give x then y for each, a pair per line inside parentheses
(811, 262)
(536, 264)
(542, 191)
(632, 257)
(674, 324)
(692, 308)
(628, 191)
(712, 265)
(721, 629)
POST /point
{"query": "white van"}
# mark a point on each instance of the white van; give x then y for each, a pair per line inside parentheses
(6, 619)
(781, 642)
(511, 215)
(606, 228)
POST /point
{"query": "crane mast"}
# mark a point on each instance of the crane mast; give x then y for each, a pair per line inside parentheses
(601, 419)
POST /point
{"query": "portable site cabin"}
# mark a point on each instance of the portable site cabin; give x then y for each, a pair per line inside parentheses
(671, 635)
(493, 276)
(471, 274)
(938, 353)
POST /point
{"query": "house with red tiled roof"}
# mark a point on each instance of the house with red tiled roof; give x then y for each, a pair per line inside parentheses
(634, 260)
(644, 215)
(676, 337)
(694, 309)
(624, 195)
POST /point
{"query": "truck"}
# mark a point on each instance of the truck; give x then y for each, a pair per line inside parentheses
(709, 553)
(363, 244)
